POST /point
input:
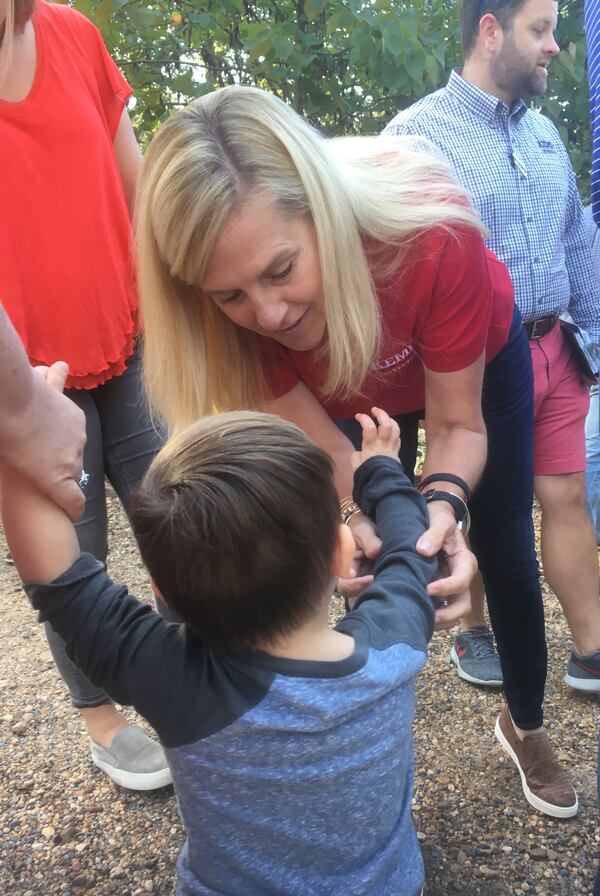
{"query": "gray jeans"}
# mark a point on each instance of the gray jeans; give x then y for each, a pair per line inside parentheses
(121, 443)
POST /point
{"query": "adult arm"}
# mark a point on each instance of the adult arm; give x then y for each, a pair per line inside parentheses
(457, 444)
(129, 158)
(456, 440)
(42, 433)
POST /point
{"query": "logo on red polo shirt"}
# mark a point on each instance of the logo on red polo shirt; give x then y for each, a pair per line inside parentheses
(396, 361)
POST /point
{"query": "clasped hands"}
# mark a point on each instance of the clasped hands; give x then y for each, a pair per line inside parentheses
(457, 563)
(45, 442)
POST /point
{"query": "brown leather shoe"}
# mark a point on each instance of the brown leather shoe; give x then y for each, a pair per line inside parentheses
(545, 785)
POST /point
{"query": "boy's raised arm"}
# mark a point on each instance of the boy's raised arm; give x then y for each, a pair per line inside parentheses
(40, 535)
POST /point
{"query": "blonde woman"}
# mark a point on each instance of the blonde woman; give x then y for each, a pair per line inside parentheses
(318, 278)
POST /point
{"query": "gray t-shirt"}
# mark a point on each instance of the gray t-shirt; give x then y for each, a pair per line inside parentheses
(293, 778)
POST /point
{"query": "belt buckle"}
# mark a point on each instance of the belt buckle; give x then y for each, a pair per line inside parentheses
(534, 329)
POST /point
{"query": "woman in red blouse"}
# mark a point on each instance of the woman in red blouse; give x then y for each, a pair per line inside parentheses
(319, 278)
(69, 163)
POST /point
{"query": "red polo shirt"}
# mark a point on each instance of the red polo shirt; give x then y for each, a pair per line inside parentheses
(450, 299)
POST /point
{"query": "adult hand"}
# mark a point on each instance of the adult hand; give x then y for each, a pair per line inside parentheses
(449, 610)
(44, 442)
(368, 546)
(443, 537)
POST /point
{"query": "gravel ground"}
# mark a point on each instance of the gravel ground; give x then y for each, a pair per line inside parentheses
(67, 829)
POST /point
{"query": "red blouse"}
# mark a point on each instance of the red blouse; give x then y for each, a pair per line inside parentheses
(66, 278)
(451, 299)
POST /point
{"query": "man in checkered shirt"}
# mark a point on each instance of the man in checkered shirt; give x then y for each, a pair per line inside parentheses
(514, 164)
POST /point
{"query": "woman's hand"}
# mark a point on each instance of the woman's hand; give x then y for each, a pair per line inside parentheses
(368, 545)
(452, 591)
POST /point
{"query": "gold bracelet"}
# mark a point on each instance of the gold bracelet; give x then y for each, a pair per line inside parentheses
(348, 508)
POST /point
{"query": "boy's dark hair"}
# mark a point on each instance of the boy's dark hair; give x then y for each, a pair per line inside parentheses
(236, 521)
(472, 11)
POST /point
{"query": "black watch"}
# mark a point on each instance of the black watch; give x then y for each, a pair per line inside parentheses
(461, 511)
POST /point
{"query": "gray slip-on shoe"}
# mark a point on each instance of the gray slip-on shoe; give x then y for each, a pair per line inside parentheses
(133, 760)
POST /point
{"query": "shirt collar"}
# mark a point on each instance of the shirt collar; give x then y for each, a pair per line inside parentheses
(483, 104)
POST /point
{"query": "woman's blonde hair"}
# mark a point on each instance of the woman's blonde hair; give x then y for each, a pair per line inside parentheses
(203, 162)
(7, 32)
(18, 13)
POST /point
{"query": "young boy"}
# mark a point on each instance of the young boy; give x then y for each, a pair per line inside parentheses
(289, 742)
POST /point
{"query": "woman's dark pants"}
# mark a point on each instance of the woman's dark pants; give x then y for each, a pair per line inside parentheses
(502, 535)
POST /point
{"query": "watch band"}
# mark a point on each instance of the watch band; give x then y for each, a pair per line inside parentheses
(447, 477)
(461, 511)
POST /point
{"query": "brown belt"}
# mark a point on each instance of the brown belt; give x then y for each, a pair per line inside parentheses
(535, 329)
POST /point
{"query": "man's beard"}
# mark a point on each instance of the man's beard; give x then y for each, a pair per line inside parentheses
(511, 75)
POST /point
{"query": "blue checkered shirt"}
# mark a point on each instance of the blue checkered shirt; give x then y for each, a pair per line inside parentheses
(517, 170)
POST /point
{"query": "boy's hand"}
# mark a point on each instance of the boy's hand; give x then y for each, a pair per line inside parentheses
(379, 438)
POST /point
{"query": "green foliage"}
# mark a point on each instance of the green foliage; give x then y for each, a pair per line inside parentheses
(567, 102)
(348, 65)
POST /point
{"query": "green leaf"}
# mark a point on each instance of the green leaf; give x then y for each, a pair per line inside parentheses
(141, 17)
(342, 18)
(393, 75)
(439, 53)
(314, 8)
(392, 39)
(183, 83)
(299, 61)
(566, 60)
(85, 7)
(202, 19)
(282, 44)
(104, 11)
(432, 69)
(414, 65)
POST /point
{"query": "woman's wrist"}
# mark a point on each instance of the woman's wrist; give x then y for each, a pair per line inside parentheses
(440, 482)
(451, 505)
(348, 509)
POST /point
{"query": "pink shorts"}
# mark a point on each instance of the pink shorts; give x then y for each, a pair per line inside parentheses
(561, 402)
